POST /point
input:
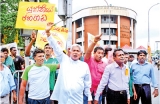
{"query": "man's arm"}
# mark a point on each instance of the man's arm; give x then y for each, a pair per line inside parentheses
(90, 48)
(12, 86)
(28, 48)
(154, 82)
(14, 95)
(103, 83)
(22, 91)
(87, 84)
(53, 67)
(53, 43)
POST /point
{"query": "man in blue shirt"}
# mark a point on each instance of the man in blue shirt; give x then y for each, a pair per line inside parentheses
(6, 82)
(143, 75)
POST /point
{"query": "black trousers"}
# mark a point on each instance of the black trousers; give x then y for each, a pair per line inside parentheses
(104, 95)
(144, 92)
(131, 99)
(116, 97)
(52, 101)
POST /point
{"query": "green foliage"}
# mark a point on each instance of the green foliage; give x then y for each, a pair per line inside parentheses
(44, 1)
(8, 17)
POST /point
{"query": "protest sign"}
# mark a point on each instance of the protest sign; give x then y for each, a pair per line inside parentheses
(34, 15)
(58, 33)
(91, 39)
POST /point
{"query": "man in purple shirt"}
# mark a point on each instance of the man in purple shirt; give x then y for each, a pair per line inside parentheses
(116, 76)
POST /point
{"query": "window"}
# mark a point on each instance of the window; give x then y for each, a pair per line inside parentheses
(113, 42)
(104, 30)
(113, 31)
(79, 34)
(105, 42)
(80, 43)
(79, 22)
(104, 19)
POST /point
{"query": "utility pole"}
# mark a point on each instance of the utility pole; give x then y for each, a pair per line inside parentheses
(65, 13)
(69, 22)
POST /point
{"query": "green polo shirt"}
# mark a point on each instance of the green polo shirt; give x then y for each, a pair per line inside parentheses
(52, 74)
(9, 62)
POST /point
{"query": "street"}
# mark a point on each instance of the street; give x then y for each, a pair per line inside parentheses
(157, 99)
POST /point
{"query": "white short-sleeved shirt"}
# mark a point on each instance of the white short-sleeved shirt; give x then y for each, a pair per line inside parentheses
(38, 80)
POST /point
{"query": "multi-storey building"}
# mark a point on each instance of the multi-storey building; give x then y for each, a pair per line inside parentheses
(100, 19)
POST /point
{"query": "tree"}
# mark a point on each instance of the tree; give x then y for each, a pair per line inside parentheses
(8, 15)
(9, 9)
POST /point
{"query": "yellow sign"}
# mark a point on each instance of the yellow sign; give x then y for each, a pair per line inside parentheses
(126, 72)
(33, 15)
(59, 33)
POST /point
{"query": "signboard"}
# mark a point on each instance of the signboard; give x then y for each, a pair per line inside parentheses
(91, 39)
(34, 15)
(58, 33)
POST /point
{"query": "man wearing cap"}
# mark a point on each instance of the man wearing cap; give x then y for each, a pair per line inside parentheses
(143, 75)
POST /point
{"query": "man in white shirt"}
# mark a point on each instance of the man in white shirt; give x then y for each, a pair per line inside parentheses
(74, 77)
(117, 77)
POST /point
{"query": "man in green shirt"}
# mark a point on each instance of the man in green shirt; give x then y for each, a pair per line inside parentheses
(50, 60)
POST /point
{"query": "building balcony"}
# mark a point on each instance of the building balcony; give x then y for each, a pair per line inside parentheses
(106, 25)
(79, 40)
(79, 29)
(106, 37)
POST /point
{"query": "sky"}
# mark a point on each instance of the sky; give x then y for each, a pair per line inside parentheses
(141, 7)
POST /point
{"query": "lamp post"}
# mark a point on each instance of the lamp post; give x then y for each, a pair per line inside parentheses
(149, 48)
(109, 24)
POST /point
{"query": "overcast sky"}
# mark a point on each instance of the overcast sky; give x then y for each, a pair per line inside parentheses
(141, 7)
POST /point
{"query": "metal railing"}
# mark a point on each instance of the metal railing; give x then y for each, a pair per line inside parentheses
(17, 73)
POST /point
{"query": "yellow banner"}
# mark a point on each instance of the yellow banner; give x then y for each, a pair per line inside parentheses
(34, 15)
(59, 33)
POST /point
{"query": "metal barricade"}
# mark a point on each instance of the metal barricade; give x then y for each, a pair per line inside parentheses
(17, 73)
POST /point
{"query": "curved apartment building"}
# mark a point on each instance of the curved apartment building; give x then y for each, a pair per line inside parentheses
(100, 19)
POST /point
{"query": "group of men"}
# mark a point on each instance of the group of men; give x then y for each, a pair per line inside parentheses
(9, 83)
(82, 82)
